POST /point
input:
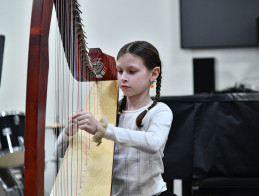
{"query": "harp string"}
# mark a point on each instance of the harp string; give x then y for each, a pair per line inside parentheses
(70, 94)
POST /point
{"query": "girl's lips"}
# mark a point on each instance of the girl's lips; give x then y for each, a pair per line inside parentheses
(124, 87)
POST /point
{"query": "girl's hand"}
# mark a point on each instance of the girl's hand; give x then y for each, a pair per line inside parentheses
(71, 127)
(85, 121)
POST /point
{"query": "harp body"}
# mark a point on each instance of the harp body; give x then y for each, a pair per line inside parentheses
(37, 79)
(87, 168)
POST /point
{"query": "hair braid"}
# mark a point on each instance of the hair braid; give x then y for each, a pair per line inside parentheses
(143, 114)
(122, 105)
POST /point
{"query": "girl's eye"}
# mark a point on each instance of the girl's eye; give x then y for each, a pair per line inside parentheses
(119, 71)
(132, 72)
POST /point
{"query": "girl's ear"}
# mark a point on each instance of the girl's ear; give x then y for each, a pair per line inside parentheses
(154, 74)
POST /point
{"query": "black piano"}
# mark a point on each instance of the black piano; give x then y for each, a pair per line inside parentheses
(213, 145)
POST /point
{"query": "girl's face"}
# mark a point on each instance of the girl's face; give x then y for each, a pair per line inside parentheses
(133, 76)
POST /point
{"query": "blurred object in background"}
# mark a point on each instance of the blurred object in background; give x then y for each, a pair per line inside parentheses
(240, 88)
(2, 39)
(12, 127)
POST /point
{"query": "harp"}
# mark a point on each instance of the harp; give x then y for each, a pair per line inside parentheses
(37, 78)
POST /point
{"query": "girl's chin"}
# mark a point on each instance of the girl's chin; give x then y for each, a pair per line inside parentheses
(126, 93)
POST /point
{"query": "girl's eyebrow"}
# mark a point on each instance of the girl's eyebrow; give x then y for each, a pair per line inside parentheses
(117, 66)
(128, 67)
(132, 66)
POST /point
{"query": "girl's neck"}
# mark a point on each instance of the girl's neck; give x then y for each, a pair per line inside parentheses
(134, 104)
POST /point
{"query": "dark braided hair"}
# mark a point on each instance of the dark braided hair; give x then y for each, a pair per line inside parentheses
(150, 56)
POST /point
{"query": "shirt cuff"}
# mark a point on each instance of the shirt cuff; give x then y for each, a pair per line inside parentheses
(109, 134)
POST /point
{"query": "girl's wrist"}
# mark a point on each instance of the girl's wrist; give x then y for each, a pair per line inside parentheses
(100, 130)
(65, 131)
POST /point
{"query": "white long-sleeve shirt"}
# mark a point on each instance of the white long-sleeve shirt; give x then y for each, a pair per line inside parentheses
(138, 165)
(138, 154)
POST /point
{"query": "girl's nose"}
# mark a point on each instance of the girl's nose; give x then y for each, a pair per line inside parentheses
(124, 77)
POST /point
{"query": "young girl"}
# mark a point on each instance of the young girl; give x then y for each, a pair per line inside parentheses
(143, 124)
